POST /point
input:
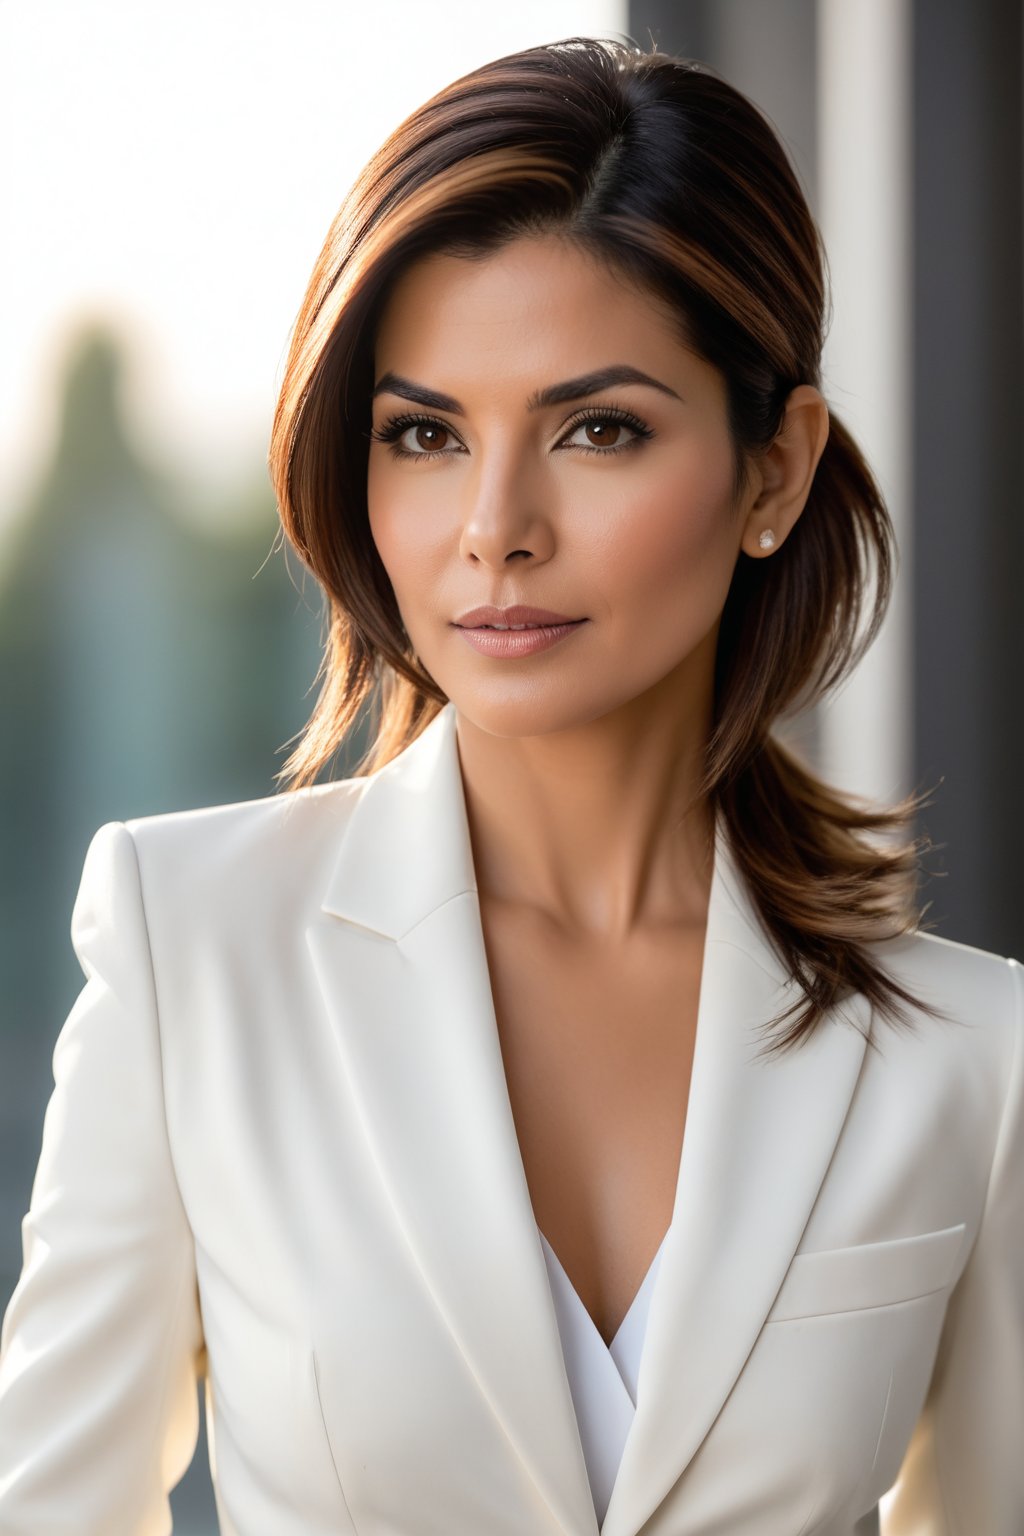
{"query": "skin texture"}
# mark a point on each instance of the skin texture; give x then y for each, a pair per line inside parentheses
(580, 763)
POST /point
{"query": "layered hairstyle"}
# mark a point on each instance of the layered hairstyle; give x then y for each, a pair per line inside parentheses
(679, 184)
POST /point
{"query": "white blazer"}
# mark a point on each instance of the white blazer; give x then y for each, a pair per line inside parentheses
(280, 1152)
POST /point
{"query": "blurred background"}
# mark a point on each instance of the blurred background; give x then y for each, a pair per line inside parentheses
(166, 179)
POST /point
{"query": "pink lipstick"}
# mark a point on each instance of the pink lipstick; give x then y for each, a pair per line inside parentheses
(518, 630)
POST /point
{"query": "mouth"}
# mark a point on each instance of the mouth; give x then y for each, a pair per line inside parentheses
(513, 641)
(503, 628)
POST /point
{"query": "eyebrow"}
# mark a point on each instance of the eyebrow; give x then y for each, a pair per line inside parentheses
(554, 394)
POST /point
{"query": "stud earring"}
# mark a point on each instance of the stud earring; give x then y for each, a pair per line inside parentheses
(766, 539)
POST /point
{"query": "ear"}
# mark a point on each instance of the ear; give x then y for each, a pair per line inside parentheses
(785, 472)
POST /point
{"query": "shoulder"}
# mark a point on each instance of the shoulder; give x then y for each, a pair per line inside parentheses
(280, 846)
(971, 1000)
(241, 822)
(932, 959)
(956, 978)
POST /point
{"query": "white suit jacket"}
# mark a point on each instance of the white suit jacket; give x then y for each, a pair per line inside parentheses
(280, 1152)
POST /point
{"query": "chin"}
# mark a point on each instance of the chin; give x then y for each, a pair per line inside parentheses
(519, 709)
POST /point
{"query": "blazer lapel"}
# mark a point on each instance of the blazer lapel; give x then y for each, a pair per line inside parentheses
(758, 1140)
(407, 988)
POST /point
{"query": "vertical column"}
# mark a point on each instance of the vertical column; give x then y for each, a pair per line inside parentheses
(968, 460)
(863, 194)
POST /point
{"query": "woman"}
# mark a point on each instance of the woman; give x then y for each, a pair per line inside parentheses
(372, 1109)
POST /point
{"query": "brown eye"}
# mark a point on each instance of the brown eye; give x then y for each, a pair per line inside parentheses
(603, 434)
(608, 432)
(417, 437)
(427, 436)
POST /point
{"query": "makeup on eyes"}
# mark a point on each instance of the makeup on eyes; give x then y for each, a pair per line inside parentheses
(394, 429)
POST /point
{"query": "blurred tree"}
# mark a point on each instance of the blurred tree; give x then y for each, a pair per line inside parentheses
(146, 665)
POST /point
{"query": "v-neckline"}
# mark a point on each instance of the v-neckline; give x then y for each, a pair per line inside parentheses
(640, 1291)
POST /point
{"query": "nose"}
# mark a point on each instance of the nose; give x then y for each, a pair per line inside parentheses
(505, 516)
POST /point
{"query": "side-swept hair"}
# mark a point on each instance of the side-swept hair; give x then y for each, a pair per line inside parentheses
(679, 183)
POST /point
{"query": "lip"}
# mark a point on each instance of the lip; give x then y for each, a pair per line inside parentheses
(516, 613)
(518, 642)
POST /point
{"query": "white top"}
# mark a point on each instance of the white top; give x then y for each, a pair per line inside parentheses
(602, 1377)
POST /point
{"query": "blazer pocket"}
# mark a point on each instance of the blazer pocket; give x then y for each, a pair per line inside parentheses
(868, 1274)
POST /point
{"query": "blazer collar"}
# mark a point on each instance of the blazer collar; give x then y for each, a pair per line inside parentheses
(415, 1022)
(406, 849)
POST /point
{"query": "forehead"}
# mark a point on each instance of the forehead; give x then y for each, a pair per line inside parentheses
(533, 310)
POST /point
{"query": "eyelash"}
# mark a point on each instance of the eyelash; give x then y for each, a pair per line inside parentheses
(392, 431)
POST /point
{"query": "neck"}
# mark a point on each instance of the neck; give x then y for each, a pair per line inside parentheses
(600, 826)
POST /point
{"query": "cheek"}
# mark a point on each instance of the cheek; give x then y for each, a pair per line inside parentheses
(678, 545)
(402, 529)
(380, 512)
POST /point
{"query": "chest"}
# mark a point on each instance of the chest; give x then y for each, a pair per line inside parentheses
(597, 1044)
(371, 1294)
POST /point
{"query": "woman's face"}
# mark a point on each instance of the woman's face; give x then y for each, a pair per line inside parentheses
(542, 437)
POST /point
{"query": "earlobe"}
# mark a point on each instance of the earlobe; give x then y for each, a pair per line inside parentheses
(787, 472)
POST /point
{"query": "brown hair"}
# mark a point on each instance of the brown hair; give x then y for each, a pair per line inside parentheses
(675, 179)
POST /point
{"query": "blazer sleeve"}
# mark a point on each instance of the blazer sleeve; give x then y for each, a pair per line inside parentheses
(963, 1472)
(101, 1341)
